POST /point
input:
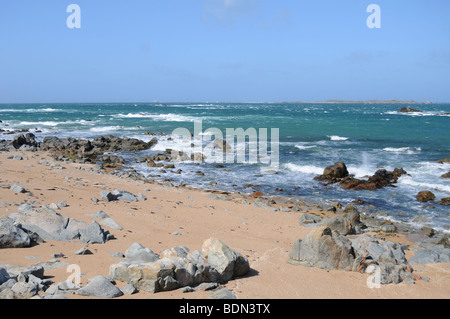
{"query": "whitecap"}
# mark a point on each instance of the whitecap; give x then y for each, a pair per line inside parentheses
(337, 138)
(159, 117)
(405, 150)
(307, 169)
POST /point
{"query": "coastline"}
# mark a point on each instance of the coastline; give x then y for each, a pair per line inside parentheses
(263, 235)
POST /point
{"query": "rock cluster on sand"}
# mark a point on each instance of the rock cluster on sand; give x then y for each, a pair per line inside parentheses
(338, 173)
(328, 249)
(47, 223)
(178, 267)
(340, 243)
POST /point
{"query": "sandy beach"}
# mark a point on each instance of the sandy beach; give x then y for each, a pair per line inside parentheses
(173, 216)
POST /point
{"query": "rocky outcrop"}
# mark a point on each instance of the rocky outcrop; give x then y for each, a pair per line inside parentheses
(381, 178)
(338, 173)
(49, 224)
(328, 249)
(408, 110)
(180, 268)
(323, 248)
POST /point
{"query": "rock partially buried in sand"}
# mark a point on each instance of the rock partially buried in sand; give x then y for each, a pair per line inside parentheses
(101, 287)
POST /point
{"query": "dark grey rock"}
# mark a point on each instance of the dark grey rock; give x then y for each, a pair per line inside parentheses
(11, 235)
(93, 234)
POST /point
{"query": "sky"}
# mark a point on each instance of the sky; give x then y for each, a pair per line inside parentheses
(223, 51)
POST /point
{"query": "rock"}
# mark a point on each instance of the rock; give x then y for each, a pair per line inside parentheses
(16, 271)
(129, 289)
(46, 223)
(4, 276)
(107, 196)
(408, 110)
(101, 287)
(124, 195)
(111, 223)
(445, 201)
(225, 262)
(446, 175)
(339, 224)
(24, 290)
(386, 257)
(137, 252)
(11, 235)
(222, 293)
(17, 188)
(381, 178)
(309, 220)
(142, 197)
(93, 234)
(388, 228)
(174, 271)
(83, 251)
(323, 248)
(425, 196)
(333, 173)
(205, 286)
(443, 161)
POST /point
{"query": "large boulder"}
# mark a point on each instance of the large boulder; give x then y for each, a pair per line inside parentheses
(47, 225)
(224, 261)
(323, 248)
(333, 173)
(12, 235)
(137, 252)
(101, 287)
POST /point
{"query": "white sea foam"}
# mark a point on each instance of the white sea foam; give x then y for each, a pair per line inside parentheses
(404, 150)
(337, 138)
(305, 147)
(427, 113)
(112, 128)
(307, 169)
(428, 186)
(18, 110)
(159, 117)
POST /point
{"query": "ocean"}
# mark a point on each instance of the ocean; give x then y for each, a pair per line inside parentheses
(312, 136)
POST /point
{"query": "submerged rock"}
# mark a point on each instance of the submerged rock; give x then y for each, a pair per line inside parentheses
(425, 196)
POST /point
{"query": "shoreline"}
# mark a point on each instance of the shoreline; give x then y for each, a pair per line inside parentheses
(264, 236)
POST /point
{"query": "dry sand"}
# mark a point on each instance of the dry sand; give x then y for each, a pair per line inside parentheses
(263, 236)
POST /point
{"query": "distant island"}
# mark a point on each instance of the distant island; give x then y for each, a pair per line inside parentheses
(366, 101)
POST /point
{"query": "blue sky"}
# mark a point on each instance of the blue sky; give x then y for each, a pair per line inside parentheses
(223, 50)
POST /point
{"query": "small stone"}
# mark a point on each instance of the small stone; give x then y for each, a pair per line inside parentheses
(83, 251)
(129, 289)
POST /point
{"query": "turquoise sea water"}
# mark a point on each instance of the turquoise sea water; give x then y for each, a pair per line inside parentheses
(311, 137)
